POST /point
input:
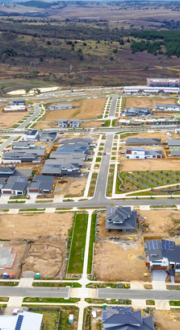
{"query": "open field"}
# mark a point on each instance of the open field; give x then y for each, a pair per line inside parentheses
(120, 261)
(47, 234)
(147, 101)
(11, 118)
(161, 222)
(139, 180)
(166, 319)
(150, 165)
(68, 186)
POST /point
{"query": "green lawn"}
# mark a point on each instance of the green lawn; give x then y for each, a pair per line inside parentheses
(91, 242)
(76, 257)
(51, 300)
(60, 285)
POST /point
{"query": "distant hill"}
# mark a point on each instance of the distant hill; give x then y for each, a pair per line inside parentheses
(38, 4)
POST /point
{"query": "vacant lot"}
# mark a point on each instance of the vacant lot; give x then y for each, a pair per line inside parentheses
(94, 123)
(120, 261)
(47, 234)
(11, 118)
(70, 186)
(161, 222)
(85, 109)
(150, 164)
(147, 101)
(166, 320)
(156, 135)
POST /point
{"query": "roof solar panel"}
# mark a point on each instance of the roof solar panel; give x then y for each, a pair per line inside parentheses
(155, 246)
(150, 245)
(104, 316)
(19, 322)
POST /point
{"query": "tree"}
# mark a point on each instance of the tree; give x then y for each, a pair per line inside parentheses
(81, 57)
(49, 43)
(111, 58)
(115, 50)
(121, 42)
(84, 44)
(41, 59)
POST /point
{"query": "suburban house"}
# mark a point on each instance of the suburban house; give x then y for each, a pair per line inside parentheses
(63, 123)
(163, 254)
(72, 148)
(174, 144)
(21, 321)
(79, 141)
(141, 153)
(6, 171)
(60, 107)
(23, 145)
(16, 185)
(2, 182)
(21, 157)
(74, 123)
(142, 141)
(18, 101)
(138, 112)
(124, 318)
(31, 135)
(40, 185)
(61, 162)
(48, 137)
(167, 107)
(17, 107)
(121, 219)
(73, 155)
(175, 153)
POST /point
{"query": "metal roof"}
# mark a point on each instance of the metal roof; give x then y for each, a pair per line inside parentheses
(172, 143)
(142, 141)
(31, 132)
(16, 183)
(158, 249)
(42, 183)
(120, 218)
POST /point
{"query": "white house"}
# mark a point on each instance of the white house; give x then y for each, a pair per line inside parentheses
(21, 321)
(31, 135)
(167, 107)
(162, 254)
(60, 107)
(74, 123)
(63, 123)
(141, 153)
(15, 108)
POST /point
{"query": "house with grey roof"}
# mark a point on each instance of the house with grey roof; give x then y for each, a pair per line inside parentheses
(7, 171)
(63, 123)
(173, 144)
(83, 141)
(141, 153)
(124, 318)
(18, 102)
(41, 185)
(162, 254)
(167, 107)
(74, 123)
(73, 155)
(48, 137)
(137, 112)
(20, 157)
(16, 185)
(175, 153)
(60, 106)
(142, 141)
(121, 219)
(31, 135)
(23, 145)
(2, 182)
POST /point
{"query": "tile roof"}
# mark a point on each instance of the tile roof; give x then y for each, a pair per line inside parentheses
(120, 218)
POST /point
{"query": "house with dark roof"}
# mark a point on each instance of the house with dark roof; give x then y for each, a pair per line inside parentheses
(141, 153)
(26, 156)
(16, 185)
(141, 141)
(23, 145)
(137, 112)
(162, 254)
(174, 144)
(167, 107)
(31, 135)
(124, 318)
(121, 219)
(6, 171)
(41, 184)
(48, 137)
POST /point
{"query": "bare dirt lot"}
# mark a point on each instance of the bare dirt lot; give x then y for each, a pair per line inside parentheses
(85, 109)
(156, 135)
(97, 123)
(47, 234)
(147, 101)
(70, 186)
(164, 320)
(150, 165)
(9, 119)
(114, 262)
(161, 222)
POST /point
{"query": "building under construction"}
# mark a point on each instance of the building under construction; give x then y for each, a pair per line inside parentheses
(158, 82)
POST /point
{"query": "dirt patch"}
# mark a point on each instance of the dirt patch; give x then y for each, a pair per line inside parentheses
(45, 254)
(70, 186)
(85, 109)
(11, 118)
(120, 261)
(164, 320)
(163, 136)
(92, 124)
(150, 165)
(161, 222)
(149, 102)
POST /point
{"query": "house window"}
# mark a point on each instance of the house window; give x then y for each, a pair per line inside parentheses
(137, 156)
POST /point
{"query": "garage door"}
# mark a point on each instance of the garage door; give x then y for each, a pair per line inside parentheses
(7, 192)
(158, 268)
(33, 190)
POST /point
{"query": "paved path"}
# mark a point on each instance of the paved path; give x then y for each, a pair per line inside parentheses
(113, 106)
(28, 120)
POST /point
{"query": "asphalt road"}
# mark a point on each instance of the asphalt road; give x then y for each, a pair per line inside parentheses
(113, 106)
(34, 292)
(104, 169)
(137, 294)
(28, 121)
